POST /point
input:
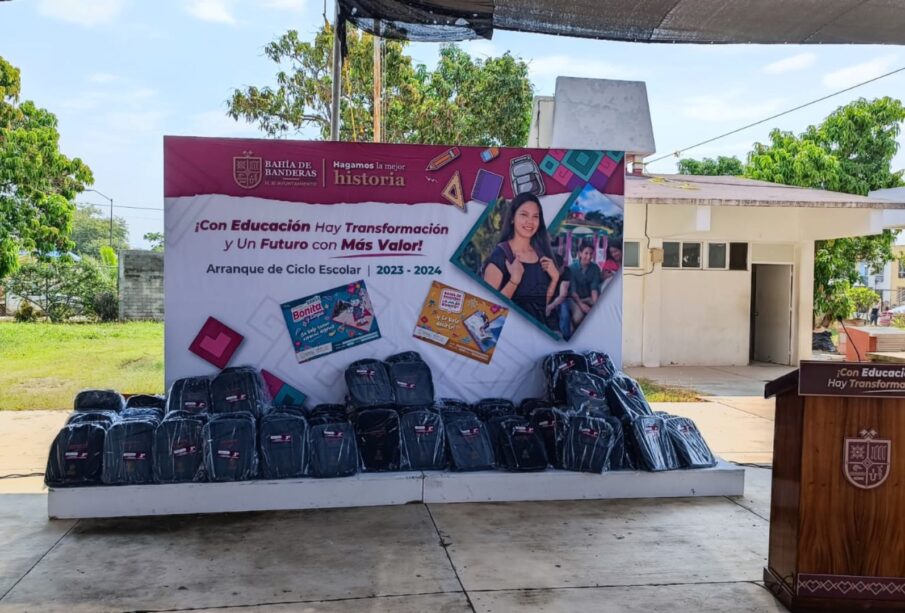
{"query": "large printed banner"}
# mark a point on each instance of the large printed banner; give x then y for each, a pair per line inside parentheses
(302, 257)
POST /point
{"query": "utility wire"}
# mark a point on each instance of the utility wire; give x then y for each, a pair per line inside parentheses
(677, 152)
(121, 206)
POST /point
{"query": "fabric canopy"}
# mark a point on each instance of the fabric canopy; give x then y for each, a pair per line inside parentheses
(658, 21)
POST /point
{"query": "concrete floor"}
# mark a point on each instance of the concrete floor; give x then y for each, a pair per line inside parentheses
(715, 380)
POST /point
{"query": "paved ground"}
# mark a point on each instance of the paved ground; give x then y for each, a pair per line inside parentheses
(702, 554)
(715, 380)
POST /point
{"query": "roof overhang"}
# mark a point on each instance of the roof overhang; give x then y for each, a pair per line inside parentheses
(652, 21)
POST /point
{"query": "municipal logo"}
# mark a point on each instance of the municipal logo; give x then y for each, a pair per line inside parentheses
(866, 460)
(247, 170)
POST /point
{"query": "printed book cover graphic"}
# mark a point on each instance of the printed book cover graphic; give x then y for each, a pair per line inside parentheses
(330, 321)
(460, 322)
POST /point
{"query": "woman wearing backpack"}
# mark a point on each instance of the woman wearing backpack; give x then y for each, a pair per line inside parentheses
(521, 266)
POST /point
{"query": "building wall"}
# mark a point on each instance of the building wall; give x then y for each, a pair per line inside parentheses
(140, 285)
(896, 278)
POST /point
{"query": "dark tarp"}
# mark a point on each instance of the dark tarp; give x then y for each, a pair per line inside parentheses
(659, 21)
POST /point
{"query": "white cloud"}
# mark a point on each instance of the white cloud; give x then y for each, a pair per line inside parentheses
(569, 66)
(102, 77)
(729, 106)
(215, 11)
(94, 99)
(799, 61)
(81, 12)
(852, 75)
(296, 6)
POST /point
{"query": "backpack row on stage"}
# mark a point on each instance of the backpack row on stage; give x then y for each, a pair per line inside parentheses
(403, 380)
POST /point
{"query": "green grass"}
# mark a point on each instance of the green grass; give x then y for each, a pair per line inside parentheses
(43, 366)
(654, 392)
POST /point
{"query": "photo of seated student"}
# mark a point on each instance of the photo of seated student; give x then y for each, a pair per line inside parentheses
(584, 283)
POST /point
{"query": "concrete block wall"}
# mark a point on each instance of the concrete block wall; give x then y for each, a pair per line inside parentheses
(140, 285)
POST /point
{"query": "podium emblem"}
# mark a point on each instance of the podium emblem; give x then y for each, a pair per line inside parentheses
(866, 460)
(247, 170)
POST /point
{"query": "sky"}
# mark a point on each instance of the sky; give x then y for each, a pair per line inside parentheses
(120, 74)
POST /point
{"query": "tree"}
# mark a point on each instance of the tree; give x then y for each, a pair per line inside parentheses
(37, 182)
(156, 239)
(721, 166)
(850, 151)
(463, 101)
(59, 287)
(91, 231)
(863, 298)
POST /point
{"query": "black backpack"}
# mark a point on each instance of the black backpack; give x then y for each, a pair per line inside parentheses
(423, 440)
(142, 413)
(414, 385)
(230, 442)
(652, 444)
(691, 449)
(600, 364)
(190, 394)
(625, 399)
(495, 426)
(468, 443)
(379, 443)
(239, 389)
(493, 407)
(129, 452)
(523, 449)
(556, 366)
(585, 391)
(451, 404)
(76, 455)
(332, 450)
(99, 400)
(327, 414)
(179, 448)
(146, 401)
(550, 424)
(588, 444)
(283, 445)
(619, 459)
(106, 418)
(369, 384)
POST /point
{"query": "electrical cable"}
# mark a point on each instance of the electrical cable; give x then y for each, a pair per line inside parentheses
(677, 152)
(21, 476)
(653, 266)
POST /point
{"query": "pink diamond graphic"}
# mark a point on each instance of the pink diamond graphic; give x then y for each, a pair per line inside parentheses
(216, 342)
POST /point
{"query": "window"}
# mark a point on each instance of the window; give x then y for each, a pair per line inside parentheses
(681, 255)
(901, 271)
(738, 256)
(631, 254)
(717, 256)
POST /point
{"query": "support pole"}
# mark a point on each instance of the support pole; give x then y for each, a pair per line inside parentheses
(337, 78)
(378, 87)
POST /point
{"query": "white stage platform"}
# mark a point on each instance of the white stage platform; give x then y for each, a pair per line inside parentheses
(388, 489)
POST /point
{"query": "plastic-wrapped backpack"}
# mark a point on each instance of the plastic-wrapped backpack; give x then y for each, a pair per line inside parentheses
(601, 365)
(99, 400)
(283, 443)
(556, 366)
(423, 440)
(369, 384)
(129, 451)
(468, 443)
(691, 449)
(414, 385)
(179, 448)
(76, 455)
(239, 389)
(523, 449)
(551, 425)
(488, 408)
(230, 447)
(190, 394)
(588, 443)
(379, 443)
(585, 390)
(332, 450)
(652, 444)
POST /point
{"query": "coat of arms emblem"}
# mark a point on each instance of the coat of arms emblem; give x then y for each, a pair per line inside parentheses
(866, 460)
(247, 170)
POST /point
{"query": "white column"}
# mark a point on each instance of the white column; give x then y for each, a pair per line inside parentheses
(805, 300)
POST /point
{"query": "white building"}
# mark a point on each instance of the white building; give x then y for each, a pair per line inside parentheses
(718, 270)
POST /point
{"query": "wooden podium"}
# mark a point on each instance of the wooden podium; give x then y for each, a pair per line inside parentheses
(837, 516)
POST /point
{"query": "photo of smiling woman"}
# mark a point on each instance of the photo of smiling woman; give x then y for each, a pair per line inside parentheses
(521, 266)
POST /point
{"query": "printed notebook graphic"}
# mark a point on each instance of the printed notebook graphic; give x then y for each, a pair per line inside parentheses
(330, 321)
